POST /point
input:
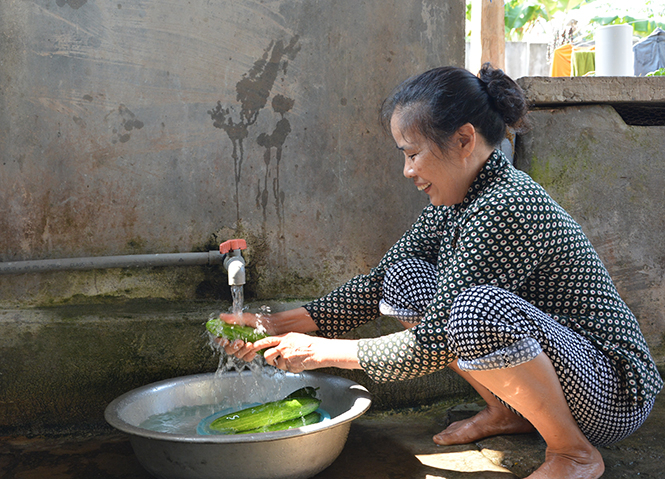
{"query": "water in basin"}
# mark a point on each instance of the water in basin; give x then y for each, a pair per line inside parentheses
(181, 420)
(194, 420)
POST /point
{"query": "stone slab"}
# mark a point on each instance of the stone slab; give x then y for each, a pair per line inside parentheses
(547, 91)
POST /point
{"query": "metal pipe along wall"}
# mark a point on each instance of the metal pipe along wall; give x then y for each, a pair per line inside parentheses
(102, 262)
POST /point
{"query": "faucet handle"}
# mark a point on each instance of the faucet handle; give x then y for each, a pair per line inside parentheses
(232, 245)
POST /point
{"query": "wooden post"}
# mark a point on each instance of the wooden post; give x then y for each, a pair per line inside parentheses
(488, 38)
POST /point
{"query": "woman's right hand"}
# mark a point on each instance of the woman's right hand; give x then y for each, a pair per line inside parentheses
(263, 321)
(239, 348)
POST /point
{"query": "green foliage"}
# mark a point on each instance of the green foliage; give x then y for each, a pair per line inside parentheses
(658, 73)
(641, 27)
(522, 15)
(554, 6)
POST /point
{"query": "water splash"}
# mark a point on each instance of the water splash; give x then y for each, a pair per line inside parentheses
(187, 420)
(228, 364)
(263, 312)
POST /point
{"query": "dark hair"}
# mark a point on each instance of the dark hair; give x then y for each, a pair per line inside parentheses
(436, 103)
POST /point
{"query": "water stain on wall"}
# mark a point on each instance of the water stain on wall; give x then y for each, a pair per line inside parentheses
(127, 122)
(276, 140)
(75, 4)
(253, 92)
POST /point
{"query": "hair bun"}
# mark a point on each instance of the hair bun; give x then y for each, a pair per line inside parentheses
(506, 95)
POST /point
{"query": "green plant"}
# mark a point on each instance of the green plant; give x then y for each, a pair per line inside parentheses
(658, 73)
(522, 15)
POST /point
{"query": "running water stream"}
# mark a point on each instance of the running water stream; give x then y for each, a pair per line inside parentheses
(238, 299)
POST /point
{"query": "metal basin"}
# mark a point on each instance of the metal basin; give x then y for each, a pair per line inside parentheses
(295, 453)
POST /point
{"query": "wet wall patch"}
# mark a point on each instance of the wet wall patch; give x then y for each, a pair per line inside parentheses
(252, 93)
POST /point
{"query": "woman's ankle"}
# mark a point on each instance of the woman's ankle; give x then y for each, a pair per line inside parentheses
(571, 465)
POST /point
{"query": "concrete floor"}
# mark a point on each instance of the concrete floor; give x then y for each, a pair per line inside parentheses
(380, 446)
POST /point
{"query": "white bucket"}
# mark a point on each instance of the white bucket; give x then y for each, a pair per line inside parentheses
(614, 51)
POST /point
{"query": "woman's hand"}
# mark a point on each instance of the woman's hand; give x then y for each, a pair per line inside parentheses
(262, 321)
(297, 320)
(239, 348)
(295, 352)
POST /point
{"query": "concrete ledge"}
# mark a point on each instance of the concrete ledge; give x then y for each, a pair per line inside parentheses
(60, 366)
(547, 91)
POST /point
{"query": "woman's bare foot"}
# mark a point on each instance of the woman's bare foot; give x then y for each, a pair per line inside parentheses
(491, 421)
(575, 464)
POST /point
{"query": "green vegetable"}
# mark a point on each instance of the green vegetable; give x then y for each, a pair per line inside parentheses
(311, 418)
(222, 329)
(297, 405)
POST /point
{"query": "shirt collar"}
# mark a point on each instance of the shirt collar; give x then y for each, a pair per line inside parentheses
(496, 162)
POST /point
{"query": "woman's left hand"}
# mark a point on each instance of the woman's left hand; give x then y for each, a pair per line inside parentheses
(294, 352)
(297, 352)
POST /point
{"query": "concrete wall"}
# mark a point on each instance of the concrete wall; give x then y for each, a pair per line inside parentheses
(611, 177)
(153, 126)
(148, 126)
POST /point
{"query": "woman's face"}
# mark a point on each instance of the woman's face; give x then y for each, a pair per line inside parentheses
(442, 176)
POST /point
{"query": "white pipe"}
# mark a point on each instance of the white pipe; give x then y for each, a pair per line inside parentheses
(235, 265)
(102, 262)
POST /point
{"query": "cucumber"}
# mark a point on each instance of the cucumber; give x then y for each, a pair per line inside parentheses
(311, 418)
(222, 329)
(265, 415)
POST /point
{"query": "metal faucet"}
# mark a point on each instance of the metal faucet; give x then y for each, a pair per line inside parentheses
(234, 263)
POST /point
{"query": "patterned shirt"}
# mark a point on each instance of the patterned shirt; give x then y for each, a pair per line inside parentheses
(507, 232)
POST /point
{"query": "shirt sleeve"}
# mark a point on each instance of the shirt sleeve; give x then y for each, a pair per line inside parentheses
(493, 245)
(399, 356)
(357, 301)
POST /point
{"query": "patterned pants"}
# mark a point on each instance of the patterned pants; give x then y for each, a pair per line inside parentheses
(490, 328)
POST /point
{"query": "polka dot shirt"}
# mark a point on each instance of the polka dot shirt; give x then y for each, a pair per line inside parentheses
(508, 232)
